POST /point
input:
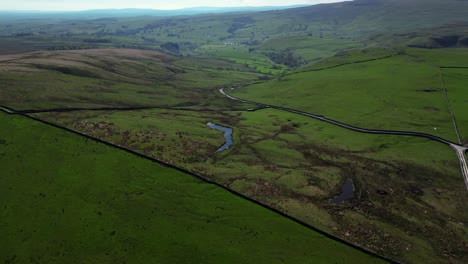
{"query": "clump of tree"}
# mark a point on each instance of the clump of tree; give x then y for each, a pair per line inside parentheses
(149, 40)
(286, 57)
(23, 34)
(463, 41)
(171, 47)
(97, 40)
(71, 47)
(239, 23)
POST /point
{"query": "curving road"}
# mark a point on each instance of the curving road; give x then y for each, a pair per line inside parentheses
(463, 164)
(7, 110)
(458, 148)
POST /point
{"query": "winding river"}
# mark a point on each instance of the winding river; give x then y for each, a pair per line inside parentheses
(227, 135)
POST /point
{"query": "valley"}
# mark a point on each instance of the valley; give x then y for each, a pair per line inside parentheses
(229, 137)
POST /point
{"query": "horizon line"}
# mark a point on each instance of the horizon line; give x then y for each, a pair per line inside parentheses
(154, 9)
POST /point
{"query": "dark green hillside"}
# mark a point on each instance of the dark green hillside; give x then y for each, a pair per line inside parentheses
(115, 78)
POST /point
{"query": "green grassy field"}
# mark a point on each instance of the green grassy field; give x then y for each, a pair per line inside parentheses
(349, 57)
(296, 164)
(310, 48)
(399, 93)
(439, 57)
(456, 81)
(68, 199)
(240, 54)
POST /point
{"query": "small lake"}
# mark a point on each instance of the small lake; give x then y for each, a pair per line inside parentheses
(227, 135)
(347, 192)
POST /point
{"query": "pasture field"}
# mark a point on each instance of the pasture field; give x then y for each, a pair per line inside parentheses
(66, 198)
(456, 81)
(241, 55)
(349, 57)
(395, 93)
(311, 49)
(439, 57)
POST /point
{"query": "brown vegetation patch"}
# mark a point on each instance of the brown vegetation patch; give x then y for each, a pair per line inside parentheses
(130, 54)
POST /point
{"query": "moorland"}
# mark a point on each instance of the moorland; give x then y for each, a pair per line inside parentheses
(150, 84)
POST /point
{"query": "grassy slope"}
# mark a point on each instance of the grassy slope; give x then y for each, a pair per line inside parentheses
(383, 94)
(440, 57)
(296, 164)
(92, 203)
(455, 79)
(114, 78)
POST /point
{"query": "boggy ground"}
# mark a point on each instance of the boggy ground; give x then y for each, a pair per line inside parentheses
(68, 199)
(410, 200)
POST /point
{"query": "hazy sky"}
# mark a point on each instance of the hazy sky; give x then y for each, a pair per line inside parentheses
(154, 4)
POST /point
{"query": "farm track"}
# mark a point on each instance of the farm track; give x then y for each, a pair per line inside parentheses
(7, 110)
(463, 163)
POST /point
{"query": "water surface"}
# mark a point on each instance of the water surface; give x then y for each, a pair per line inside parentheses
(347, 192)
(227, 135)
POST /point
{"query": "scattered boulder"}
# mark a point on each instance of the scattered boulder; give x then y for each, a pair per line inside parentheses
(171, 47)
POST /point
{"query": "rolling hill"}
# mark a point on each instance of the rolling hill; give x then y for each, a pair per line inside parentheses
(152, 83)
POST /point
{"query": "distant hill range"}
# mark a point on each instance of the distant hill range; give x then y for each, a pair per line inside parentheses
(418, 23)
(134, 12)
(414, 23)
